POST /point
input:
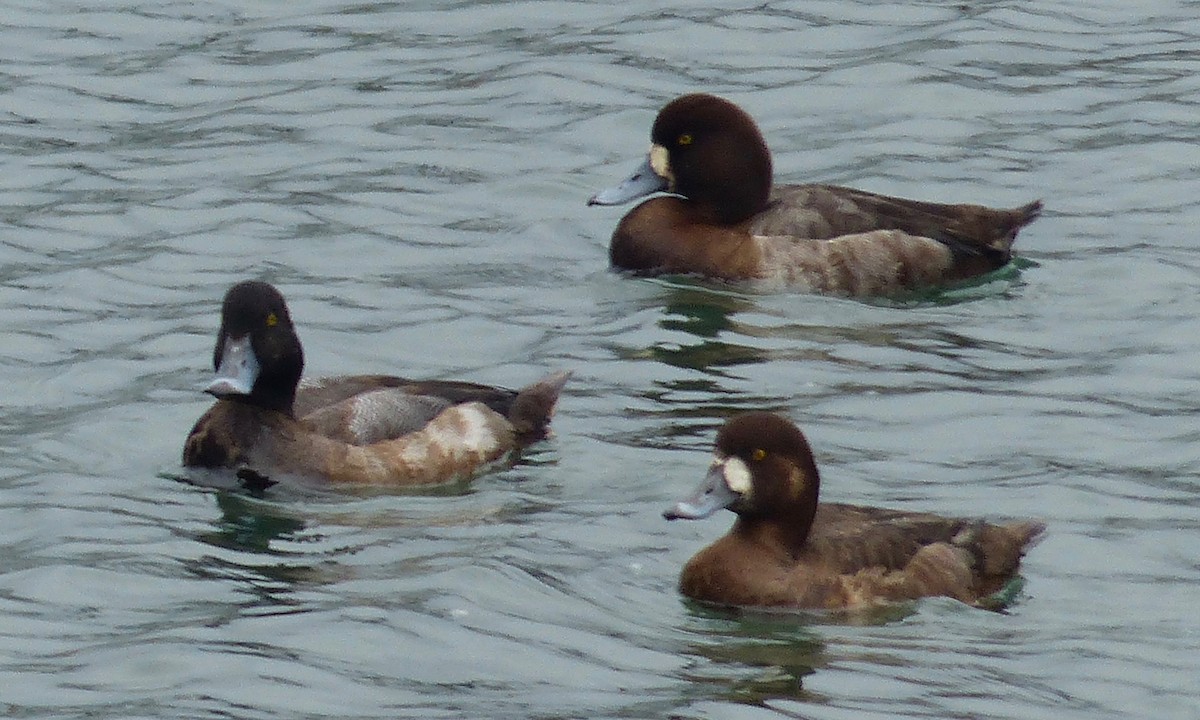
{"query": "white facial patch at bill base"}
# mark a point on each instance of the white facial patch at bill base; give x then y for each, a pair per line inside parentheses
(736, 474)
(660, 162)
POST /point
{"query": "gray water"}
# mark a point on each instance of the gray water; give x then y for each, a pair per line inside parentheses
(413, 177)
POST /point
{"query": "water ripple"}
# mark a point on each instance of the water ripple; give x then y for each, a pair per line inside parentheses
(413, 176)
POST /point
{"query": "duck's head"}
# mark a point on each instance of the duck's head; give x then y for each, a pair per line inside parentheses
(258, 357)
(762, 468)
(708, 150)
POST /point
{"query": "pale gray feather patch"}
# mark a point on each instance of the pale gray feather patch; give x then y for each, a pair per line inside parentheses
(370, 417)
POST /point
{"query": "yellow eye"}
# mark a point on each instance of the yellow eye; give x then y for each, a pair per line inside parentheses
(685, 139)
(758, 454)
(272, 321)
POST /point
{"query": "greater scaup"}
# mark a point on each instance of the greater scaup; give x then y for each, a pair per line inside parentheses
(786, 551)
(356, 429)
(724, 219)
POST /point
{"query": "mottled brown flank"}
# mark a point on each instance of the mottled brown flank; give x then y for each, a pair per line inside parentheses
(876, 263)
(786, 550)
(859, 556)
(443, 450)
(451, 446)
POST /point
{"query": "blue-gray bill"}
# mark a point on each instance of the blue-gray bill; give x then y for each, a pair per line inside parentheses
(642, 182)
(713, 494)
(237, 371)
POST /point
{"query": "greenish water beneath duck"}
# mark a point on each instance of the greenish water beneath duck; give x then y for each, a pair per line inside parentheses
(413, 177)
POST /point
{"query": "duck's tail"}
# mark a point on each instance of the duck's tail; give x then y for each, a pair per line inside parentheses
(1022, 216)
(534, 405)
(982, 238)
(997, 549)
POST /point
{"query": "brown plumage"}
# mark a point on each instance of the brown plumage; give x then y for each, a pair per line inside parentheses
(727, 222)
(360, 429)
(786, 550)
(454, 444)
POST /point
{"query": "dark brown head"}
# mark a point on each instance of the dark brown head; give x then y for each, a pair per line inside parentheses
(713, 154)
(258, 357)
(708, 150)
(763, 469)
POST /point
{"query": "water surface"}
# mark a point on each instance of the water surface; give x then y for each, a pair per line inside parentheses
(413, 177)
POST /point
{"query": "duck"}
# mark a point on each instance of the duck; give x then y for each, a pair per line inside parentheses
(786, 551)
(359, 429)
(724, 218)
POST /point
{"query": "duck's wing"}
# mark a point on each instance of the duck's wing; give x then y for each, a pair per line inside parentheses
(364, 409)
(887, 554)
(830, 211)
(849, 538)
(375, 415)
(841, 241)
(316, 393)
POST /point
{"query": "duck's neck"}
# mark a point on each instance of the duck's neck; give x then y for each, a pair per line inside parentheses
(275, 387)
(785, 531)
(737, 190)
(280, 400)
(734, 204)
(265, 402)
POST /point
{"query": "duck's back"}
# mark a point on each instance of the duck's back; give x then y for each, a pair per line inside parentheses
(316, 393)
(829, 211)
